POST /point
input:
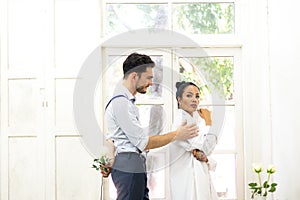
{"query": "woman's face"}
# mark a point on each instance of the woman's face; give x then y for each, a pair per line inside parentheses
(190, 99)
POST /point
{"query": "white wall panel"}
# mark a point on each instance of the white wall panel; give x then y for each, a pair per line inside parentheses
(64, 121)
(26, 33)
(24, 171)
(77, 31)
(43, 45)
(284, 70)
(75, 179)
(23, 100)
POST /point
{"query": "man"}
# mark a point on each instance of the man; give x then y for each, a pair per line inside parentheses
(125, 131)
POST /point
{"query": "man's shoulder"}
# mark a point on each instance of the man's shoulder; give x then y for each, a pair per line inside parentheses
(115, 97)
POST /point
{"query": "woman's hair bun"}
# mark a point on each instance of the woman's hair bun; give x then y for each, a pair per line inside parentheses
(178, 84)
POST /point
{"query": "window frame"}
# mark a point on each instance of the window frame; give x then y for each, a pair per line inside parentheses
(214, 45)
(217, 40)
(237, 103)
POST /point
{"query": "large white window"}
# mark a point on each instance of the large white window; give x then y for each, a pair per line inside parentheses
(217, 59)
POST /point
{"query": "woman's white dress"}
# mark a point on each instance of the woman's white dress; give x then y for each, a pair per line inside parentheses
(189, 178)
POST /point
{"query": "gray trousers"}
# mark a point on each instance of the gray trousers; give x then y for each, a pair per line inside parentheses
(129, 176)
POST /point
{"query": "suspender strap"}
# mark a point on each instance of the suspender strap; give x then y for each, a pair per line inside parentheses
(120, 95)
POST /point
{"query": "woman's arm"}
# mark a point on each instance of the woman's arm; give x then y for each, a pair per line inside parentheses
(206, 115)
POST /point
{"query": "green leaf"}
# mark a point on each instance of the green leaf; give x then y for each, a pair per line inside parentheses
(273, 189)
(252, 184)
(259, 192)
(265, 193)
(273, 184)
(266, 185)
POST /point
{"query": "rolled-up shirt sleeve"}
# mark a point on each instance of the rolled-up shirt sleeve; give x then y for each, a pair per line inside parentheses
(126, 116)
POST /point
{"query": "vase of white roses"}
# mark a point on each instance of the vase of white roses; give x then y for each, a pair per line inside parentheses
(260, 190)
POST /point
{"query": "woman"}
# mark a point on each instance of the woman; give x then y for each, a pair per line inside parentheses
(189, 165)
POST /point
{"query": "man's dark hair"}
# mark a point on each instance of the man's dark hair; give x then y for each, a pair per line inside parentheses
(137, 63)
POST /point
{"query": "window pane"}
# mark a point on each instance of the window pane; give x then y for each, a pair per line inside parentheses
(204, 18)
(216, 72)
(227, 136)
(156, 162)
(113, 73)
(155, 91)
(224, 178)
(125, 17)
(152, 117)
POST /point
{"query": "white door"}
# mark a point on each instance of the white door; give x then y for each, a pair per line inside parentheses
(42, 155)
(22, 102)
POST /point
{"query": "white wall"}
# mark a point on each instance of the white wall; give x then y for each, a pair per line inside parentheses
(285, 97)
(271, 76)
(257, 110)
(43, 45)
(271, 65)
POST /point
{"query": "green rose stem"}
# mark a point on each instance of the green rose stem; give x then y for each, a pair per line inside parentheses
(269, 176)
(101, 189)
(259, 179)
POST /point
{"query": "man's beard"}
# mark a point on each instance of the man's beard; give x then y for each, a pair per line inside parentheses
(141, 90)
